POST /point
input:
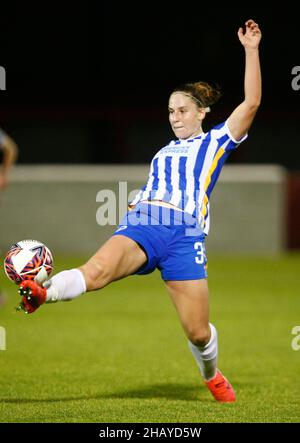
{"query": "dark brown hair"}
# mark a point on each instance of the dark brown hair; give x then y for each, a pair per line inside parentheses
(202, 93)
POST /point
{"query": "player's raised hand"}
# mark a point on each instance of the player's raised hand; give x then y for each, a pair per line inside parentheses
(252, 35)
(33, 296)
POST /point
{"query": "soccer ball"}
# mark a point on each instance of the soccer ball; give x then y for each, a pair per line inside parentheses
(28, 260)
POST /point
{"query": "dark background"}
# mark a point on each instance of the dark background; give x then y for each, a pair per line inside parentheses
(89, 84)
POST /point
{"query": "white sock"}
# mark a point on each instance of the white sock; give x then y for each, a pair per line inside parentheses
(65, 285)
(206, 356)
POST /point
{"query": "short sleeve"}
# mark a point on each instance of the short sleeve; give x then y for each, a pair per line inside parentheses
(224, 137)
(237, 142)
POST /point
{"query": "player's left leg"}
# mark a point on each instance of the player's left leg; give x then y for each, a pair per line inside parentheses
(119, 257)
(191, 300)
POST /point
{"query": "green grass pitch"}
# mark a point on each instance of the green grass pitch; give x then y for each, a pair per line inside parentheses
(120, 355)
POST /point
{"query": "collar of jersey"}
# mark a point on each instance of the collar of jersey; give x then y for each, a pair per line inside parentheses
(189, 140)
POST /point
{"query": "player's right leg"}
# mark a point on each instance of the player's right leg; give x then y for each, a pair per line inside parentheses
(190, 299)
(119, 257)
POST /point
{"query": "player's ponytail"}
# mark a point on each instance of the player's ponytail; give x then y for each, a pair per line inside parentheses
(202, 93)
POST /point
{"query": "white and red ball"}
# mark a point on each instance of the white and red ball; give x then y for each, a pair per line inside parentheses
(28, 260)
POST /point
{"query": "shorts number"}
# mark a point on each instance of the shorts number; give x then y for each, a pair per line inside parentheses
(200, 252)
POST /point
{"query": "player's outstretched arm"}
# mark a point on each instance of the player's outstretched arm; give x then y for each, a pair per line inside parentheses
(242, 117)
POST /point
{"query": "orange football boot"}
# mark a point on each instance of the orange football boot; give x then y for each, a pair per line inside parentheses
(33, 296)
(220, 388)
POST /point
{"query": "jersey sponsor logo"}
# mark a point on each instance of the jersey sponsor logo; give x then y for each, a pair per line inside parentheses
(174, 150)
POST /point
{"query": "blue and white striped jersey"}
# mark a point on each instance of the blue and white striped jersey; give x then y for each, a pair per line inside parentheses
(185, 172)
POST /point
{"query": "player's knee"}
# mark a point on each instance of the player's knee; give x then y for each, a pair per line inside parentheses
(96, 273)
(199, 336)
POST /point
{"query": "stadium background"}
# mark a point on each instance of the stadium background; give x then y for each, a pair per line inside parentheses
(90, 86)
(93, 88)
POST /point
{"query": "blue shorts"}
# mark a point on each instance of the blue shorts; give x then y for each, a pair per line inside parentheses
(172, 240)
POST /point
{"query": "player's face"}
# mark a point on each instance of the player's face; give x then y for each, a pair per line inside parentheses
(185, 116)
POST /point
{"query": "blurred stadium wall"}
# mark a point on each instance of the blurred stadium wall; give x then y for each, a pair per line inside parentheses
(57, 204)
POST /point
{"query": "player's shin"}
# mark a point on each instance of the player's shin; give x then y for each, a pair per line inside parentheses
(206, 356)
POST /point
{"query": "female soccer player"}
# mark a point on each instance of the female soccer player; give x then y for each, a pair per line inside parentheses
(169, 218)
